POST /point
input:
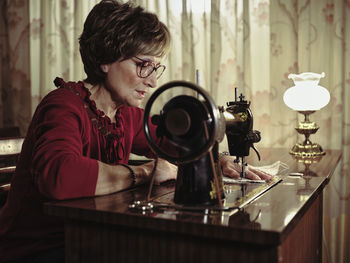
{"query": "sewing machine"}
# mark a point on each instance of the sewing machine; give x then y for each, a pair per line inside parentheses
(239, 130)
(191, 127)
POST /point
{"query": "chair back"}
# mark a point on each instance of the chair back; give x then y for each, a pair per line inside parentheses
(10, 148)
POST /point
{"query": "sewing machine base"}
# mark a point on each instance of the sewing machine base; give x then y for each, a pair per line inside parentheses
(236, 197)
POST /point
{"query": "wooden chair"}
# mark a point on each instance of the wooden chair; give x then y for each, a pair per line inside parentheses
(10, 149)
(7, 132)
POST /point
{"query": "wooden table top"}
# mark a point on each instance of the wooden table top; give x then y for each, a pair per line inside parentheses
(267, 220)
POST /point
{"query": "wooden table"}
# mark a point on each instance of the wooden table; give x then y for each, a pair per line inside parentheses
(283, 225)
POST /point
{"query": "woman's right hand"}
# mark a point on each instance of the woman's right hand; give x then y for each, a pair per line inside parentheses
(165, 171)
(113, 178)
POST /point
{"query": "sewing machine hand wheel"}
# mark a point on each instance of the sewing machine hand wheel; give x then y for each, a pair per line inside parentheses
(189, 125)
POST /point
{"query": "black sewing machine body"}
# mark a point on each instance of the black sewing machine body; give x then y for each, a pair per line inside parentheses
(192, 129)
(239, 128)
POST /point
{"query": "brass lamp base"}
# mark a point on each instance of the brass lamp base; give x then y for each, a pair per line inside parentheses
(309, 150)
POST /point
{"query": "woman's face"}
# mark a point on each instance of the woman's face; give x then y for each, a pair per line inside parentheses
(123, 82)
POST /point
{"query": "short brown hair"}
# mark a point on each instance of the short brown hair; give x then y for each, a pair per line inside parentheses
(114, 31)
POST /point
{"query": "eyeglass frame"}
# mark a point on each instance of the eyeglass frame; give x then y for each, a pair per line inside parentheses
(141, 65)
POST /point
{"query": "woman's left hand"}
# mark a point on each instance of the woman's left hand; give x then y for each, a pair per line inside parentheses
(232, 169)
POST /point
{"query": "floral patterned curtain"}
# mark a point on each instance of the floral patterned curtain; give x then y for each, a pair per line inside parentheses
(15, 87)
(249, 44)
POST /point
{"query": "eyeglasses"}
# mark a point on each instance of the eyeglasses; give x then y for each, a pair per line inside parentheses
(146, 68)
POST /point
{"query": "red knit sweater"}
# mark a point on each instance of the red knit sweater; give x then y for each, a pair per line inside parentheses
(66, 137)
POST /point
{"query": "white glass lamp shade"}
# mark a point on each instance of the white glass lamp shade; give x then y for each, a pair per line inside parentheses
(306, 95)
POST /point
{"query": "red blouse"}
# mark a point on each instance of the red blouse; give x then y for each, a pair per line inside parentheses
(66, 137)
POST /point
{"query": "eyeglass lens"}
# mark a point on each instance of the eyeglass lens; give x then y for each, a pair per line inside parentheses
(146, 70)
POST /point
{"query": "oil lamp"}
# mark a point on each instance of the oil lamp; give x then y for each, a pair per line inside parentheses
(306, 97)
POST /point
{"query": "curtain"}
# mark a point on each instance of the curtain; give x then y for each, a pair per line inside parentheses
(249, 44)
(15, 88)
(54, 48)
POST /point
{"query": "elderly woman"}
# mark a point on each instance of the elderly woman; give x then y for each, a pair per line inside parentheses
(81, 135)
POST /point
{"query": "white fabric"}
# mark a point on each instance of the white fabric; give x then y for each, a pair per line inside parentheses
(276, 168)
